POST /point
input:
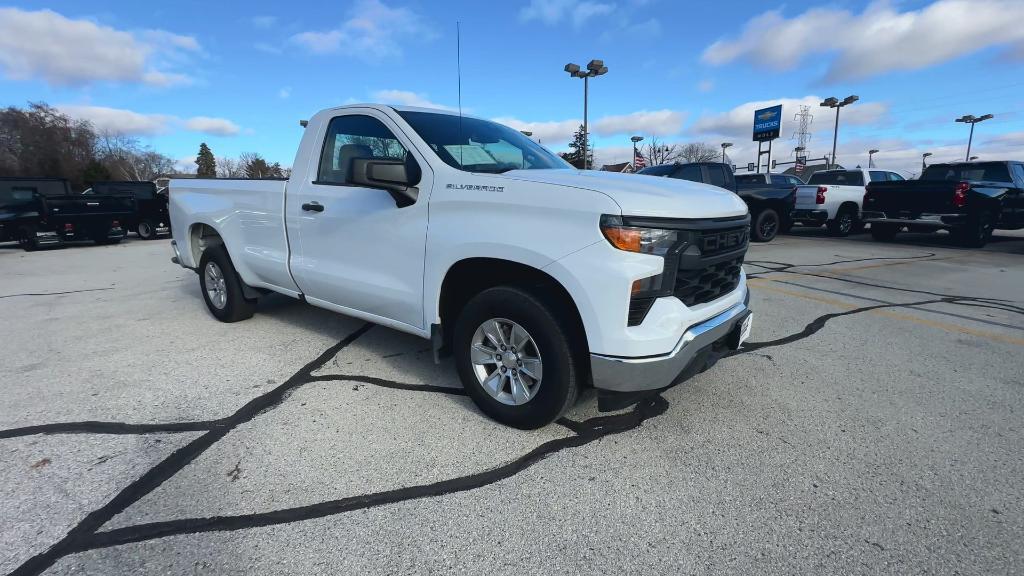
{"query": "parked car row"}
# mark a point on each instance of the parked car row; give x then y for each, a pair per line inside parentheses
(43, 212)
(970, 199)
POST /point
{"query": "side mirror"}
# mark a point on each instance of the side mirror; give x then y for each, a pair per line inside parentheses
(390, 175)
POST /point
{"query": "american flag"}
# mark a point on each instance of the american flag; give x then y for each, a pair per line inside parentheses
(638, 161)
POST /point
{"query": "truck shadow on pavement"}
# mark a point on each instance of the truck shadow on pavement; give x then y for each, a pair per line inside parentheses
(87, 534)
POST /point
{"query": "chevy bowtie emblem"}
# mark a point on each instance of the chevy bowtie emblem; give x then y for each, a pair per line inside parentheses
(767, 115)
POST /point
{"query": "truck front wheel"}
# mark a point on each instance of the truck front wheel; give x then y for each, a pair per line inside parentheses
(146, 230)
(766, 226)
(514, 359)
(976, 232)
(222, 289)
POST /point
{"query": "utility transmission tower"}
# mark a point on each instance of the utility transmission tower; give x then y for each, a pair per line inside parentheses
(803, 131)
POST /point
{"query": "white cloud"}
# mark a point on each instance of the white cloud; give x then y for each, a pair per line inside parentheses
(284, 93)
(552, 12)
(706, 86)
(739, 122)
(881, 39)
(549, 133)
(406, 98)
(120, 121)
(373, 31)
(131, 123)
(657, 122)
(212, 126)
(65, 52)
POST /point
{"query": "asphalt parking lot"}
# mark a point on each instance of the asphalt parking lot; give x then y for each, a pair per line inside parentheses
(871, 425)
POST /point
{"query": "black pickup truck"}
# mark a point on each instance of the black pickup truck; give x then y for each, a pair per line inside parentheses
(38, 212)
(151, 216)
(770, 199)
(970, 199)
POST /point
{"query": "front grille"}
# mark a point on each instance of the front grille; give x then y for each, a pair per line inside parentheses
(700, 285)
(714, 242)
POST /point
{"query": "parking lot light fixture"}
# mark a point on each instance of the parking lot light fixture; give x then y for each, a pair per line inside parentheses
(724, 146)
(833, 102)
(594, 68)
(923, 158)
(972, 120)
(635, 140)
(871, 154)
(972, 158)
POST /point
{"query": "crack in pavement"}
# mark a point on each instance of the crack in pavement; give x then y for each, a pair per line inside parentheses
(55, 293)
(86, 535)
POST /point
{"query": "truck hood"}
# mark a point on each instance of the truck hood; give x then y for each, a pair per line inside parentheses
(639, 195)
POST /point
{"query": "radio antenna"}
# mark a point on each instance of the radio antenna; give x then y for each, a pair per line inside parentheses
(458, 71)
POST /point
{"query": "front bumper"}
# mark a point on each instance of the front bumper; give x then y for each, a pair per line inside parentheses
(910, 219)
(805, 215)
(618, 374)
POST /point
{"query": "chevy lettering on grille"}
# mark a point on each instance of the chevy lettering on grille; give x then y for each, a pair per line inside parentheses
(722, 241)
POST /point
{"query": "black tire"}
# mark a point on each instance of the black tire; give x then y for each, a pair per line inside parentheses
(765, 226)
(236, 306)
(976, 233)
(843, 224)
(146, 230)
(884, 232)
(27, 240)
(559, 382)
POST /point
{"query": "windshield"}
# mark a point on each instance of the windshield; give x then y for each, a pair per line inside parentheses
(476, 145)
(987, 172)
(838, 177)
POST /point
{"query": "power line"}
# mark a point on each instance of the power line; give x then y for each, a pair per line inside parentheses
(802, 135)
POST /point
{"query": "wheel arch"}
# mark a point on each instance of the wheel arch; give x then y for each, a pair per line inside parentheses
(470, 276)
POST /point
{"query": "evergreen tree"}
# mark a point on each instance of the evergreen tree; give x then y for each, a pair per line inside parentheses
(578, 147)
(95, 171)
(206, 164)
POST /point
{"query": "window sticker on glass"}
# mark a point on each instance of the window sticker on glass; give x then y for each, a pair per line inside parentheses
(470, 154)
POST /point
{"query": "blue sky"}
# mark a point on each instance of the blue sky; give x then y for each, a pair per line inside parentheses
(240, 76)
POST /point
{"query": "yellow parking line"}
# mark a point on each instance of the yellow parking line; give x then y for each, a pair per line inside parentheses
(762, 284)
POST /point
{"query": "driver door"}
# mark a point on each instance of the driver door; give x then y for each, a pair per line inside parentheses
(353, 248)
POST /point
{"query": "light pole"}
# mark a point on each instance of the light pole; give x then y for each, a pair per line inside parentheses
(594, 68)
(833, 102)
(871, 162)
(972, 120)
(635, 140)
(923, 156)
(724, 146)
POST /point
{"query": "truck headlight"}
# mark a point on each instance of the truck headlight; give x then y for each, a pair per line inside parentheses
(656, 241)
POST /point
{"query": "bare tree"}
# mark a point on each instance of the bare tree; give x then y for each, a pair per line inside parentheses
(127, 159)
(657, 152)
(699, 152)
(230, 168)
(255, 166)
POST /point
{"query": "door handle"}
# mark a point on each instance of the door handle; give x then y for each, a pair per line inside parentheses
(313, 207)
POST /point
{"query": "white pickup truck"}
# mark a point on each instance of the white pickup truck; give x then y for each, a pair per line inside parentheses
(540, 279)
(834, 198)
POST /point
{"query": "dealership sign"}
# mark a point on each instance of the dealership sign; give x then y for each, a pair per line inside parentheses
(767, 122)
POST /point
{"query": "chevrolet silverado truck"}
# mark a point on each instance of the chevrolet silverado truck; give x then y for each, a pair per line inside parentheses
(834, 197)
(151, 217)
(970, 199)
(539, 279)
(39, 212)
(770, 202)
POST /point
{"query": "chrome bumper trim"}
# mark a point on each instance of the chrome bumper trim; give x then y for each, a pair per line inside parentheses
(653, 372)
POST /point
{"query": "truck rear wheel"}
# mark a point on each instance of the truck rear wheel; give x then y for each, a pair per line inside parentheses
(27, 240)
(222, 288)
(884, 232)
(976, 232)
(844, 223)
(514, 359)
(766, 226)
(146, 230)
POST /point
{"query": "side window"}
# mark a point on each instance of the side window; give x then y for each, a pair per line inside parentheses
(1018, 171)
(895, 177)
(356, 137)
(690, 173)
(778, 180)
(879, 176)
(716, 177)
(793, 180)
